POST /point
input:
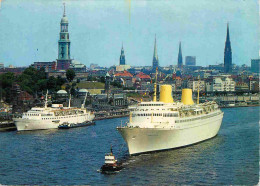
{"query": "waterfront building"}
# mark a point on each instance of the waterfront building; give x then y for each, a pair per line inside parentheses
(255, 64)
(155, 56)
(48, 66)
(228, 54)
(190, 60)
(180, 63)
(242, 87)
(194, 84)
(109, 102)
(220, 84)
(64, 60)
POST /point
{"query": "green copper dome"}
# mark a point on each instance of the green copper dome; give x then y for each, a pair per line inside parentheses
(64, 20)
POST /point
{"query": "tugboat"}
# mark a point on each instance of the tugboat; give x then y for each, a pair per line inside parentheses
(111, 165)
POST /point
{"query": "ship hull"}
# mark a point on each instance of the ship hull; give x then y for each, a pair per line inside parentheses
(141, 140)
(31, 124)
(25, 124)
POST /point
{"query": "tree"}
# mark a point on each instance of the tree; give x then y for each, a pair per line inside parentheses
(70, 74)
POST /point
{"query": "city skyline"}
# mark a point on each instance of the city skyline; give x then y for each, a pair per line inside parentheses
(97, 30)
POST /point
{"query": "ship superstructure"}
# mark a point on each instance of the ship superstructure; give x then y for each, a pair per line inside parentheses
(51, 117)
(166, 124)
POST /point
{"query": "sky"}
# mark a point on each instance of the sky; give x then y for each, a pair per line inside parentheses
(29, 30)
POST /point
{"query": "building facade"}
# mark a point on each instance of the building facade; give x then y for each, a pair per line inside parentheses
(48, 66)
(221, 84)
(255, 63)
(190, 60)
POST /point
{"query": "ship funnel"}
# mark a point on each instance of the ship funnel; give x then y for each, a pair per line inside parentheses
(186, 97)
(166, 94)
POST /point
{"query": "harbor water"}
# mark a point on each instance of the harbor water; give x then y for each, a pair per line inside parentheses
(72, 157)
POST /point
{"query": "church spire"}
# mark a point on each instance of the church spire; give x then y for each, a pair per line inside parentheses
(227, 39)
(155, 55)
(228, 53)
(180, 63)
(122, 56)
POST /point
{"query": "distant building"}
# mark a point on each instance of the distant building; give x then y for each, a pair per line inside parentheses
(255, 63)
(77, 66)
(228, 54)
(64, 60)
(2, 65)
(194, 84)
(126, 78)
(48, 66)
(93, 66)
(190, 60)
(180, 63)
(155, 56)
(242, 87)
(121, 68)
(220, 84)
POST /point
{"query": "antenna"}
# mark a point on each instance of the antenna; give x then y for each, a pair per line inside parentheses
(198, 86)
(155, 85)
(69, 100)
(83, 104)
(64, 13)
(46, 99)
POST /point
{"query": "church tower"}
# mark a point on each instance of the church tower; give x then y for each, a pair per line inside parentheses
(64, 60)
(180, 63)
(122, 57)
(227, 54)
(155, 56)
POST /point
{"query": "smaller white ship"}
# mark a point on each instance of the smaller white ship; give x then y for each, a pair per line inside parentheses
(51, 117)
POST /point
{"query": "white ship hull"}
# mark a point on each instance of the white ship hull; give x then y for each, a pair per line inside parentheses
(140, 140)
(23, 124)
(36, 124)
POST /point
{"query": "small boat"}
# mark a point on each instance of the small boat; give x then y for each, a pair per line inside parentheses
(111, 165)
(75, 125)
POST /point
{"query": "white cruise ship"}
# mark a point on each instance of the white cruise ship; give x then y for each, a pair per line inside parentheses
(165, 124)
(51, 117)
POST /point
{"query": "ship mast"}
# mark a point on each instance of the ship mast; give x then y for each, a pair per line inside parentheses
(198, 87)
(155, 85)
(69, 101)
(83, 104)
(46, 99)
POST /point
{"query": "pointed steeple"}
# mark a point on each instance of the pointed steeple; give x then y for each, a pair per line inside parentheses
(180, 57)
(227, 39)
(227, 53)
(122, 56)
(155, 55)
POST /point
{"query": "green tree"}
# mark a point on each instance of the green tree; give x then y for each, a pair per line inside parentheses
(70, 74)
